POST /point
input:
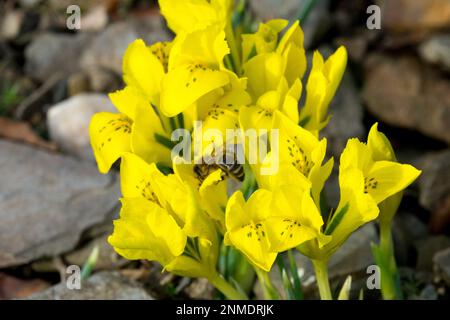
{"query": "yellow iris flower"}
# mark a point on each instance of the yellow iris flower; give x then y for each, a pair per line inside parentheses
(154, 226)
(212, 188)
(264, 40)
(137, 127)
(274, 73)
(382, 149)
(247, 228)
(300, 149)
(191, 15)
(382, 178)
(322, 84)
(195, 69)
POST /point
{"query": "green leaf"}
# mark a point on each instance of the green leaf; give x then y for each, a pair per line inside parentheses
(303, 122)
(164, 141)
(344, 294)
(337, 218)
(296, 279)
(90, 263)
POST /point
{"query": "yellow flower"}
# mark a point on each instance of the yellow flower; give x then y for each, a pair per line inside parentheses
(322, 84)
(302, 150)
(195, 69)
(136, 128)
(274, 74)
(260, 116)
(264, 40)
(264, 72)
(143, 68)
(191, 15)
(382, 179)
(219, 109)
(382, 150)
(154, 226)
(247, 228)
(211, 184)
(295, 217)
(291, 48)
(355, 208)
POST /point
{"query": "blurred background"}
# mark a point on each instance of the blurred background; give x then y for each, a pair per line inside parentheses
(56, 209)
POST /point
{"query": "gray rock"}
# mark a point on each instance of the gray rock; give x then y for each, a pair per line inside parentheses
(419, 100)
(102, 80)
(406, 230)
(200, 289)
(414, 15)
(47, 201)
(107, 49)
(68, 122)
(107, 257)
(100, 286)
(442, 265)
(29, 3)
(77, 83)
(427, 248)
(437, 51)
(428, 293)
(51, 53)
(272, 9)
(434, 187)
(11, 24)
(345, 105)
(95, 19)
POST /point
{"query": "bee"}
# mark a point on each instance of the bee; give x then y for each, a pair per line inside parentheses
(233, 168)
(203, 170)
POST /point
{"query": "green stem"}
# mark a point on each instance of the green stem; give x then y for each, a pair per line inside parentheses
(270, 293)
(305, 10)
(390, 279)
(233, 48)
(321, 269)
(227, 289)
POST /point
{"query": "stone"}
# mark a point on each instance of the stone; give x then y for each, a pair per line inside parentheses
(49, 200)
(77, 83)
(265, 10)
(434, 185)
(200, 289)
(102, 80)
(346, 112)
(12, 287)
(107, 49)
(100, 286)
(68, 122)
(427, 248)
(407, 229)
(436, 50)
(428, 293)
(415, 282)
(11, 24)
(52, 53)
(404, 93)
(107, 257)
(29, 3)
(414, 15)
(95, 19)
(441, 262)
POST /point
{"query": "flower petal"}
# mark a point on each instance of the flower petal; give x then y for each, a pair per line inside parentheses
(110, 137)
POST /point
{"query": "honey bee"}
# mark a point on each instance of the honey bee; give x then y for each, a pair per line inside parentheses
(233, 168)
